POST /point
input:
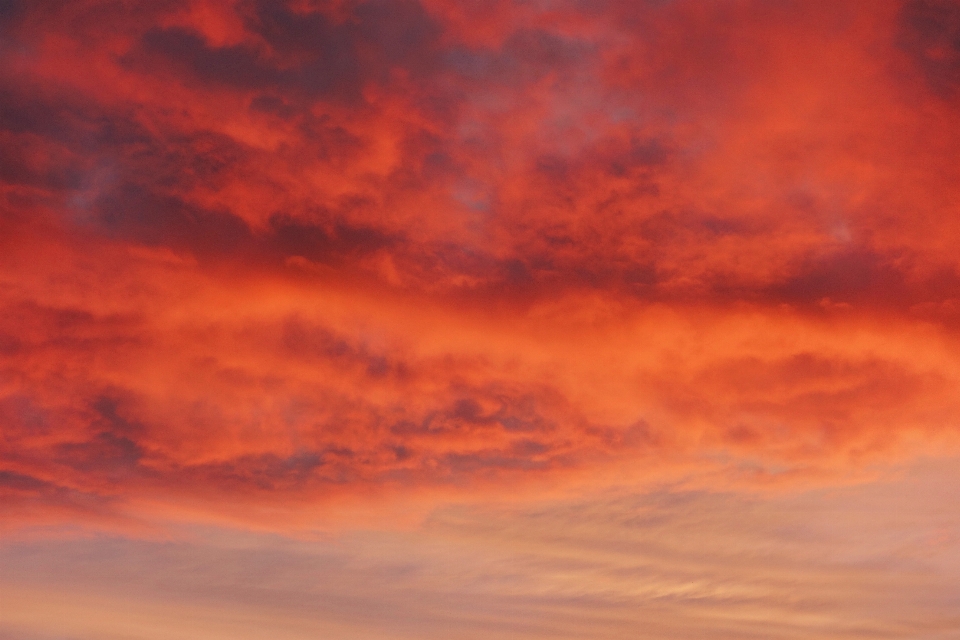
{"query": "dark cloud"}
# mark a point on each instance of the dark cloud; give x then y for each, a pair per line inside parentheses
(268, 472)
(11, 12)
(931, 35)
(133, 212)
(326, 244)
(668, 227)
(302, 340)
(861, 276)
(238, 67)
(26, 495)
(525, 57)
(311, 54)
(22, 483)
(105, 455)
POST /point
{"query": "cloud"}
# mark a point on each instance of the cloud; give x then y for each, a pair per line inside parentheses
(287, 252)
(929, 34)
(282, 389)
(877, 559)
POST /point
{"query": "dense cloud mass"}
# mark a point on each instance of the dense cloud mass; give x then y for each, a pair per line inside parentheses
(286, 252)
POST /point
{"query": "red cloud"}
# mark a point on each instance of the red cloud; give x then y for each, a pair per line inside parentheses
(279, 251)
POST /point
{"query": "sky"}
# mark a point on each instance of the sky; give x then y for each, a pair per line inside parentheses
(417, 319)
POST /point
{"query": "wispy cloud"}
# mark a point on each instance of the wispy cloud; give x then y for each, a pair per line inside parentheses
(877, 560)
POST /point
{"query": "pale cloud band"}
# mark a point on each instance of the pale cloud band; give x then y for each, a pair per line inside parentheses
(875, 560)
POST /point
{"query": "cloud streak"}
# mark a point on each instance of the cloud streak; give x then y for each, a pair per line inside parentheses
(665, 564)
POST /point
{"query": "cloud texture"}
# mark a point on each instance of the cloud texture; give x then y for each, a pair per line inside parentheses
(256, 255)
(880, 560)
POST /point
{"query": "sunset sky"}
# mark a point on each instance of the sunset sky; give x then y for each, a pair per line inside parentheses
(505, 319)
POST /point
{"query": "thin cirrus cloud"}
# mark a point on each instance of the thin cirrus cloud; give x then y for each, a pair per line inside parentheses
(284, 253)
(664, 565)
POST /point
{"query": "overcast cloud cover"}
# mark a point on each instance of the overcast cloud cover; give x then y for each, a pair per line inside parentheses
(479, 319)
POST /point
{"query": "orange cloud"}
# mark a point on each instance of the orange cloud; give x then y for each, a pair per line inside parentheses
(285, 251)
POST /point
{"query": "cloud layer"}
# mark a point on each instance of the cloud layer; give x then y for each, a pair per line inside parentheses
(877, 560)
(287, 252)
